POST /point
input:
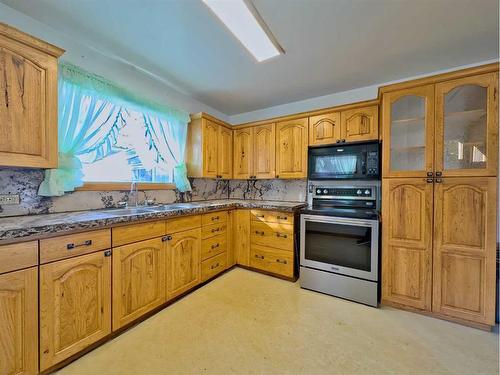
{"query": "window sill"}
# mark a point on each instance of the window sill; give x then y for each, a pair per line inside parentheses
(123, 186)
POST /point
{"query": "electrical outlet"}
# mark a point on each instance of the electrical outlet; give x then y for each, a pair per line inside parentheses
(9, 199)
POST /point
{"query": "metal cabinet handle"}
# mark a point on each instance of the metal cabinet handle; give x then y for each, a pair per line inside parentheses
(439, 174)
(282, 217)
(215, 218)
(215, 246)
(281, 261)
(166, 238)
(337, 141)
(214, 266)
(259, 215)
(430, 174)
(71, 246)
(281, 235)
(439, 180)
(343, 140)
(259, 256)
(107, 253)
(215, 230)
(429, 180)
(260, 233)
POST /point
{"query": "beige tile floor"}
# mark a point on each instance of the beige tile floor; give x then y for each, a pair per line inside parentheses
(248, 323)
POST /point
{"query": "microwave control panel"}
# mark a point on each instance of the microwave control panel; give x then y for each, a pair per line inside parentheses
(372, 163)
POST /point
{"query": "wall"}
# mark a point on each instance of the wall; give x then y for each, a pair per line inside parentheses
(279, 190)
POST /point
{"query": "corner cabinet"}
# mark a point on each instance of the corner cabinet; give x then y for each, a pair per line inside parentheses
(28, 104)
(209, 151)
(291, 148)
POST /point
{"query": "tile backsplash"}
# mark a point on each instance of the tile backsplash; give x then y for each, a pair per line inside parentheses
(25, 182)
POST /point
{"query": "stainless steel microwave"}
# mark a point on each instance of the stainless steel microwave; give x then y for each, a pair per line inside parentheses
(355, 161)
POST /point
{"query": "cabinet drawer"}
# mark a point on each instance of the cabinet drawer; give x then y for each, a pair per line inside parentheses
(272, 234)
(213, 230)
(213, 246)
(213, 266)
(138, 232)
(182, 223)
(272, 216)
(272, 260)
(74, 244)
(214, 218)
(19, 255)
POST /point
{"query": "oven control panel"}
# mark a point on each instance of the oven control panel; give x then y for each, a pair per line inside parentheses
(345, 193)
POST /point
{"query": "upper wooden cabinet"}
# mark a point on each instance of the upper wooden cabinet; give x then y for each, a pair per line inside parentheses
(209, 148)
(408, 140)
(324, 129)
(291, 148)
(19, 322)
(467, 126)
(359, 124)
(28, 104)
(75, 305)
(254, 152)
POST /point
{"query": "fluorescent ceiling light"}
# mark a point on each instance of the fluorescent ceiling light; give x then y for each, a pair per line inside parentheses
(243, 20)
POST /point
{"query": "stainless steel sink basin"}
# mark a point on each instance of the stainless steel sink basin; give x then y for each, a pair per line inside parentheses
(174, 206)
(130, 211)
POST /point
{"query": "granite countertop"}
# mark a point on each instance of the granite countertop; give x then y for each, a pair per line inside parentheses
(36, 226)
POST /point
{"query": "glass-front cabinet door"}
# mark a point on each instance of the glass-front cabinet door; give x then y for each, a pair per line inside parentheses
(408, 128)
(467, 127)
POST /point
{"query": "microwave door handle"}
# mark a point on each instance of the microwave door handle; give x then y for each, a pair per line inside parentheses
(363, 162)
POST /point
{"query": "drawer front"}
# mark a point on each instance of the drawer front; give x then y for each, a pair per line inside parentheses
(213, 246)
(183, 223)
(62, 247)
(213, 266)
(213, 230)
(272, 216)
(271, 260)
(138, 232)
(214, 218)
(19, 255)
(275, 235)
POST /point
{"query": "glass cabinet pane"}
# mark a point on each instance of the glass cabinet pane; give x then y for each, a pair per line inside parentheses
(408, 134)
(465, 127)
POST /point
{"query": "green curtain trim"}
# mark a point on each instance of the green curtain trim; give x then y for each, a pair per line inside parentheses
(104, 88)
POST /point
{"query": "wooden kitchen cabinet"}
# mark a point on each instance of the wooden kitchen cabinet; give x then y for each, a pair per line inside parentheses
(19, 322)
(209, 148)
(324, 129)
(359, 124)
(139, 272)
(241, 235)
(254, 152)
(75, 305)
(183, 262)
(291, 148)
(407, 242)
(465, 248)
(28, 104)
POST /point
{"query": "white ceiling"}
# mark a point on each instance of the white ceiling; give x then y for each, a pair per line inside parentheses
(331, 45)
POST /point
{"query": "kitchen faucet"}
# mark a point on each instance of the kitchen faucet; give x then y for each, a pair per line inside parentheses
(133, 195)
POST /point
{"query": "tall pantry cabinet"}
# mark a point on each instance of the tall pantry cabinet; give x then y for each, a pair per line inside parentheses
(440, 161)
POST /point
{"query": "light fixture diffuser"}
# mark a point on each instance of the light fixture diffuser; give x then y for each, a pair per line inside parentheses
(243, 20)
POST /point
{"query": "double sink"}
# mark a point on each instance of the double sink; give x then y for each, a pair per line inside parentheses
(150, 209)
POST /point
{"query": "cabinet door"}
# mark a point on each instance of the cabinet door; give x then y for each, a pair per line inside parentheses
(464, 248)
(407, 242)
(19, 322)
(138, 280)
(28, 106)
(408, 132)
(75, 305)
(360, 124)
(264, 151)
(243, 153)
(467, 126)
(225, 153)
(291, 148)
(324, 129)
(241, 236)
(210, 135)
(183, 262)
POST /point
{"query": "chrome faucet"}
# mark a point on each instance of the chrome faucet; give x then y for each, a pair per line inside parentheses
(133, 197)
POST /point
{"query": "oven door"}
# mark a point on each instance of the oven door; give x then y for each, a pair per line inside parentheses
(340, 245)
(337, 162)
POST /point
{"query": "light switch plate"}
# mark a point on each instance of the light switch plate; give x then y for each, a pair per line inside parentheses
(9, 199)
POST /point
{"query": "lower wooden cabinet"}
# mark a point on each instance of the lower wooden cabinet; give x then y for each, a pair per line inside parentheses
(241, 235)
(139, 272)
(183, 262)
(213, 266)
(75, 305)
(19, 322)
(272, 260)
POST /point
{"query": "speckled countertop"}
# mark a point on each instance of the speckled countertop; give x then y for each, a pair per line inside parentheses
(36, 226)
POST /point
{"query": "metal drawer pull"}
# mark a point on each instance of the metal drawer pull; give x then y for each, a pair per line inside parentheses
(261, 233)
(215, 246)
(259, 215)
(282, 217)
(214, 266)
(215, 230)
(107, 253)
(166, 238)
(215, 218)
(259, 256)
(281, 261)
(72, 245)
(281, 235)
